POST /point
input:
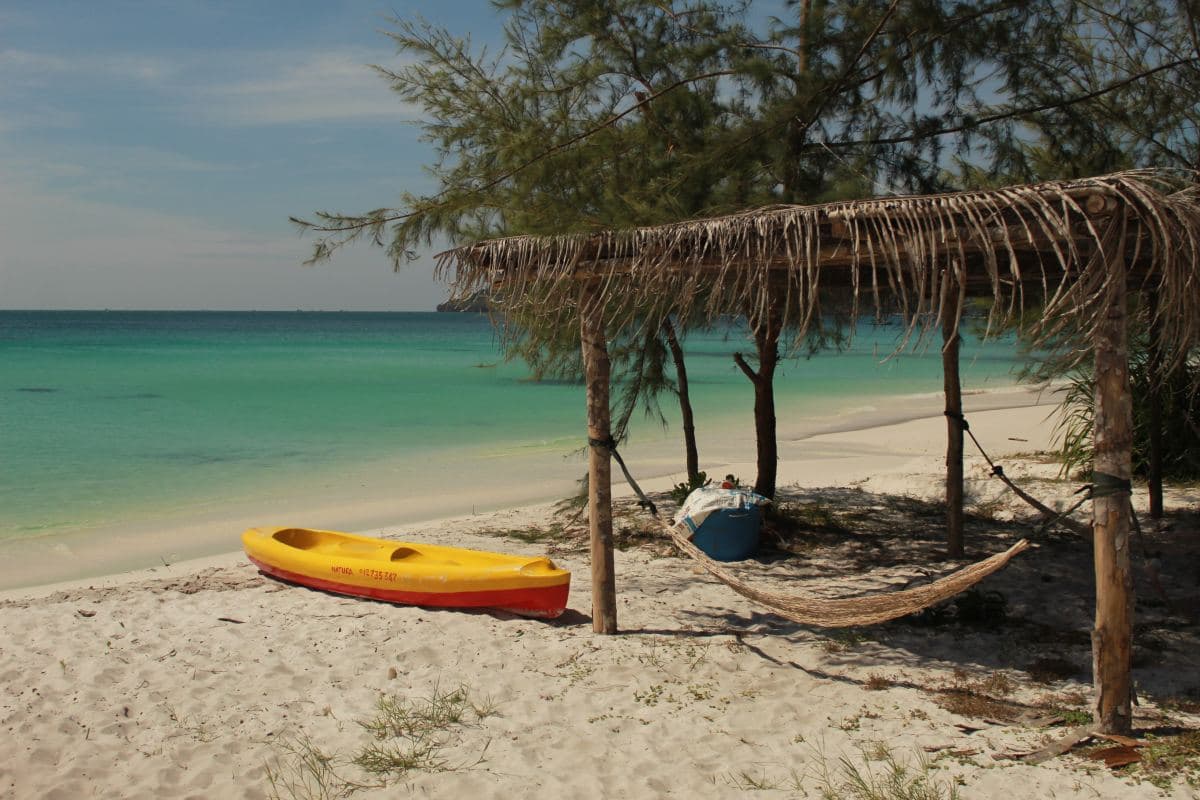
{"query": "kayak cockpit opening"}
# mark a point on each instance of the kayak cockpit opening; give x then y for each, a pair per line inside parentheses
(300, 538)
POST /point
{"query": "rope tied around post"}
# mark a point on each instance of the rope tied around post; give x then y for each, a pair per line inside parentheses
(1105, 485)
(1051, 516)
(610, 444)
(959, 418)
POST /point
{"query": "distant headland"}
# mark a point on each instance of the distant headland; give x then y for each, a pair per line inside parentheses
(478, 303)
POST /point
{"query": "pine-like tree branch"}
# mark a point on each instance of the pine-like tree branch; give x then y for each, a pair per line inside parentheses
(353, 224)
(1014, 113)
(746, 368)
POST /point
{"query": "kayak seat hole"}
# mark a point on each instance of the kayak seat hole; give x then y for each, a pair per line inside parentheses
(401, 553)
(299, 538)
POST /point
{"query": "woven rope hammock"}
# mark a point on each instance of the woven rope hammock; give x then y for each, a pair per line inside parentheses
(818, 611)
(849, 611)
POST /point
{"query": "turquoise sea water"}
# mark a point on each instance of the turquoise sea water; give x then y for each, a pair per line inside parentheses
(112, 416)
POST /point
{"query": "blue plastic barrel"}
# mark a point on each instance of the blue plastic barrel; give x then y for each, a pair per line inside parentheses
(730, 534)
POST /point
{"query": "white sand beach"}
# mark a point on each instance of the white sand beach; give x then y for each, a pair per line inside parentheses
(208, 680)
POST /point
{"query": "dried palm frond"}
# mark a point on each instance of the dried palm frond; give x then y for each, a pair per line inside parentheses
(1059, 245)
(1049, 244)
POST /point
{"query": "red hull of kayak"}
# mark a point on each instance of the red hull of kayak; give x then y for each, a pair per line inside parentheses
(544, 602)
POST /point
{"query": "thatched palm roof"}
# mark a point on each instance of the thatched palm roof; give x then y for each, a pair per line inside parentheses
(1053, 243)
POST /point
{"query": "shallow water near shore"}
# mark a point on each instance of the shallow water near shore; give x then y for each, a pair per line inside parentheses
(123, 424)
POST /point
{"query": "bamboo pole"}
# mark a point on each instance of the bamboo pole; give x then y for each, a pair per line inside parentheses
(954, 431)
(1112, 638)
(597, 371)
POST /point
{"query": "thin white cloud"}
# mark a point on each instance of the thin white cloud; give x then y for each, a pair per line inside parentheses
(289, 88)
(30, 90)
(31, 62)
(62, 251)
(30, 67)
(129, 159)
(228, 89)
(102, 170)
(35, 118)
(131, 66)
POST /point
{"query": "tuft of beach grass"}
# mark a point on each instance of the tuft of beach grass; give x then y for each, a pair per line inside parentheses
(405, 736)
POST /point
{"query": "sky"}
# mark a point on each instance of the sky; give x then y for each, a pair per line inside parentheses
(151, 152)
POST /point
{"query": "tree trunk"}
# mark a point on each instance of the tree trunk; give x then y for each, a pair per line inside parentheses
(597, 370)
(766, 343)
(805, 12)
(764, 414)
(954, 431)
(794, 179)
(767, 328)
(1112, 638)
(685, 404)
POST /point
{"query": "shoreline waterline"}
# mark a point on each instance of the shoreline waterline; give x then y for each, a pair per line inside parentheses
(143, 438)
(395, 498)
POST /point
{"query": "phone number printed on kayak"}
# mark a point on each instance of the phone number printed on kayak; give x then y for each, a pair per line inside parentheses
(378, 575)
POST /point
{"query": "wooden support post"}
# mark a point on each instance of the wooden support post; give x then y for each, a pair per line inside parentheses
(1112, 638)
(1155, 379)
(954, 430)
(597, 370)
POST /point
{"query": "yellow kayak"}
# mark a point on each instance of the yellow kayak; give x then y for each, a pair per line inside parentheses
(409, 573)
